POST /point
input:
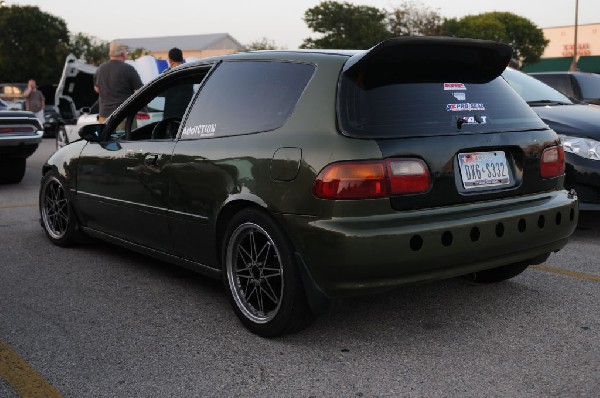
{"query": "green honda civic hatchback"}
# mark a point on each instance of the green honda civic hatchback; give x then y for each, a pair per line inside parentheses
(299, 177)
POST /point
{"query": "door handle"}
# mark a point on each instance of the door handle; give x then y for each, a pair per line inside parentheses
(152, 159)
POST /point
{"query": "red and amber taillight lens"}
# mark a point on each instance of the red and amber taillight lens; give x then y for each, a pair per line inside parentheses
(372, 179)
(552, 162)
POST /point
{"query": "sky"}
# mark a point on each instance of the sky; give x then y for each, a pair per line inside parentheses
(280, 21)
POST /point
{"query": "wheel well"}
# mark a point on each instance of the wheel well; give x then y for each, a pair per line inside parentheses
(45, 169)
(225, 216)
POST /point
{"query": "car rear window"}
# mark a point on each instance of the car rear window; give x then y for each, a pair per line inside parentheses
(382, 102)
(243, 97)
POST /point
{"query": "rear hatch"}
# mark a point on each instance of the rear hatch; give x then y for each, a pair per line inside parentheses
(441, 100)
(75, 89)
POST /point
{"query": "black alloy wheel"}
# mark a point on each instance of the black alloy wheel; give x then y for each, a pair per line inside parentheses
(261, 277)
(57, 216)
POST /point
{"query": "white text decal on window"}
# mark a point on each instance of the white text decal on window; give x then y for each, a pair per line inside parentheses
(201, 130)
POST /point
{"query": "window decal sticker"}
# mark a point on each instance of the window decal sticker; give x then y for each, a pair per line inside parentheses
(460, 96)
(476, 119)
(454, 86)
(464, 107)
(201, 130)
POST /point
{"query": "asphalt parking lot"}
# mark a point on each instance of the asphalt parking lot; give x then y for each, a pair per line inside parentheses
(100, 321)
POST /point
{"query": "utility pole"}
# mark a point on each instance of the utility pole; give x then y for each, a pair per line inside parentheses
(573, 66)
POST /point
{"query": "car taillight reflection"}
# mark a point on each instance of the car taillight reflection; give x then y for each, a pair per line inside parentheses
(142, 116)
(372, 179)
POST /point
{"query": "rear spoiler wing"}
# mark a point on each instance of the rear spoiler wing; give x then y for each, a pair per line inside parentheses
(425, 58)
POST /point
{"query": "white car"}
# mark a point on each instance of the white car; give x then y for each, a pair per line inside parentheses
(89, 115)
(77, 100)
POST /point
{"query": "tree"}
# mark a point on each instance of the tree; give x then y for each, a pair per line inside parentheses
(33, 45)
(345, 26)
(262, 44)
(413, 19)
(93, 50)
(136, 53)
(526, 39)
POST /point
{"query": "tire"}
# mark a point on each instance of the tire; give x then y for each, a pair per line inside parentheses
(261, 277)
(498, 274)
(61, 137)
(12, 170)
(57, 216)
(50, 133)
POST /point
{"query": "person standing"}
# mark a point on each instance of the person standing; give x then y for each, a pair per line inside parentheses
(178, 96)
(34, 100)
(115, 81)
(175, 58)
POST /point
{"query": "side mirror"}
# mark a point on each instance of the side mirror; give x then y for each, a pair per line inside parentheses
(91, 132)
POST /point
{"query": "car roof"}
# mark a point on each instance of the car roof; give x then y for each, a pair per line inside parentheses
(482, 60)
(298, 55)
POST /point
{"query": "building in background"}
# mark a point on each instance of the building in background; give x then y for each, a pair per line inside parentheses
(558, 55)
(193, 46)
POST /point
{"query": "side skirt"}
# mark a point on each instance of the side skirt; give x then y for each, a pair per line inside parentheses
(191, 265)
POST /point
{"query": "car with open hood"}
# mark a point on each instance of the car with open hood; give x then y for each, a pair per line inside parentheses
(578, 126)
(298, 177)
(74, 98)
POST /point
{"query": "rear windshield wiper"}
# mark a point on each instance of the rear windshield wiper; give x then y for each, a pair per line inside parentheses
(546, 102)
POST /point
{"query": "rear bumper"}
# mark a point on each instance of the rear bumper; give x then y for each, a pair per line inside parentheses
(349, 255)
(20, 145)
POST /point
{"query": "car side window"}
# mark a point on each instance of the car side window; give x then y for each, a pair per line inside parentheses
(243, 97)
(158, 112)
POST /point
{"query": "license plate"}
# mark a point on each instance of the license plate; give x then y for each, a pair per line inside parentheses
(483, 169)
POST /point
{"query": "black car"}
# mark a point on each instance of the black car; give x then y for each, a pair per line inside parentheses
(582, 86)
(52, 121)
(302, 176)
(578, 126)
(20, 135)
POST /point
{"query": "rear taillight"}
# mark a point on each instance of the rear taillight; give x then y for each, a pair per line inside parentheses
(372, 179)
(352, 180)
(142, 116)
(408, 176)
(16, 129)
(552, 162)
